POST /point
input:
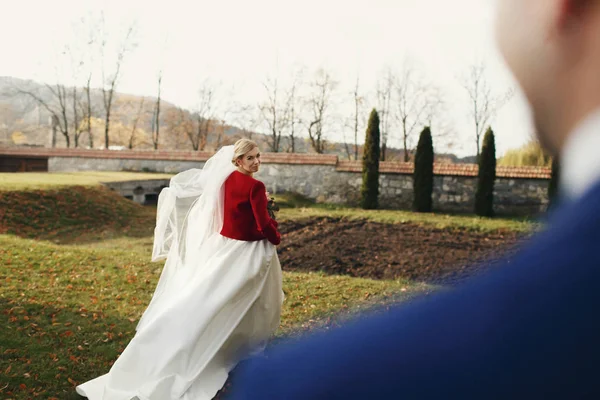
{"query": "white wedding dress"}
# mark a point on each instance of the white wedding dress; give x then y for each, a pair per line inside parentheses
(217, 301)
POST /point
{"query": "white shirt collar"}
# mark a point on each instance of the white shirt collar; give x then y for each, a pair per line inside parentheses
(580, 158)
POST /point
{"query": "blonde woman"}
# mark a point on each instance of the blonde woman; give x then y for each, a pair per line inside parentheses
(219, 297)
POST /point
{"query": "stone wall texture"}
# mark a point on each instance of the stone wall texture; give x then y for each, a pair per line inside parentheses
(325, 178)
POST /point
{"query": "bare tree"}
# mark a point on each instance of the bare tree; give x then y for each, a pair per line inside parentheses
(484, 103)
(54, 122)
(280, 112)
(192, 125)
(385, 87)
(358, 102)
(203, 128)
(156, 114)
(63, 100)
(246, 119)
(179, 122)
(436, 117)
(319, 102)
(274, 113)
(59, 100)
(220, 127)
(56, 103)
(88, 110)
(204, 115)
(60, 93)
(56, 100)
(293, 109)
(78, 106)
(293, 117)
(87, 30)
(81, 51)
(198, 124)
(74, 52)
(135, 123)
(353, 122)
(413, 99)
(109, 82)
(156, 120)
(435, 106)
(346, 145)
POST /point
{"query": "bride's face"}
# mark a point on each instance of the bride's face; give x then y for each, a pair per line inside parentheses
(249, 163)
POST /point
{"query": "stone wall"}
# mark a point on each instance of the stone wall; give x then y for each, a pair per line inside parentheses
(325, 178)
(512, 196)
(313, 181)
(68, 164)
(454, 194)
(521, 196)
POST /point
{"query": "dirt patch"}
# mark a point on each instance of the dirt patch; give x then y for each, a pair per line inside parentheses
(374, 250)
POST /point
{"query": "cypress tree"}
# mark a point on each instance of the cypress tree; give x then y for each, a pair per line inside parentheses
(370, 185)
(423, 174)
(484, 196)
(554, 180)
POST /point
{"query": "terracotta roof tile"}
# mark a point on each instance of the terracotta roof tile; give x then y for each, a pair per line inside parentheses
(280, 158)
(450, 169)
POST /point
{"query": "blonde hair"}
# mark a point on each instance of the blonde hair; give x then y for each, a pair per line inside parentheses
(242, 147)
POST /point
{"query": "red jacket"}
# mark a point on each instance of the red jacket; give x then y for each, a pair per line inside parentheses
(246, 216)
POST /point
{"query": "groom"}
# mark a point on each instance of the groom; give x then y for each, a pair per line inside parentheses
(529, 330)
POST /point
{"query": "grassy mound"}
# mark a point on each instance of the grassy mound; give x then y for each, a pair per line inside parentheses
(72, 214)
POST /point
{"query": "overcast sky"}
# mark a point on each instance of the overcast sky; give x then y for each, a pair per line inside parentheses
(239, 42)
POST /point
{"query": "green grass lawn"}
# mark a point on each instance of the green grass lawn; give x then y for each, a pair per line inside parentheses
(44, 180)
(66, 312)
(294, 207)
(401, 217)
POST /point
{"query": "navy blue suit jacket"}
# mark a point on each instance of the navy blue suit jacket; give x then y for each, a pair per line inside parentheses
(527, 330)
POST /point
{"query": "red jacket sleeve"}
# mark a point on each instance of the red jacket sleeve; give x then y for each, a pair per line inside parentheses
(258, 200)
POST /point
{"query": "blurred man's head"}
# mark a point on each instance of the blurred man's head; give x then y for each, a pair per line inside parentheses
(553, 49)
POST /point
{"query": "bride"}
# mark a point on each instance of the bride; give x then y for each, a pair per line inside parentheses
(219, 296)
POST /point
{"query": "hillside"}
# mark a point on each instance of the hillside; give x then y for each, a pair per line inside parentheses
(26, 121)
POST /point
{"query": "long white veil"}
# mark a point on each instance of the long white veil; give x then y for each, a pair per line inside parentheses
(189, 211)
